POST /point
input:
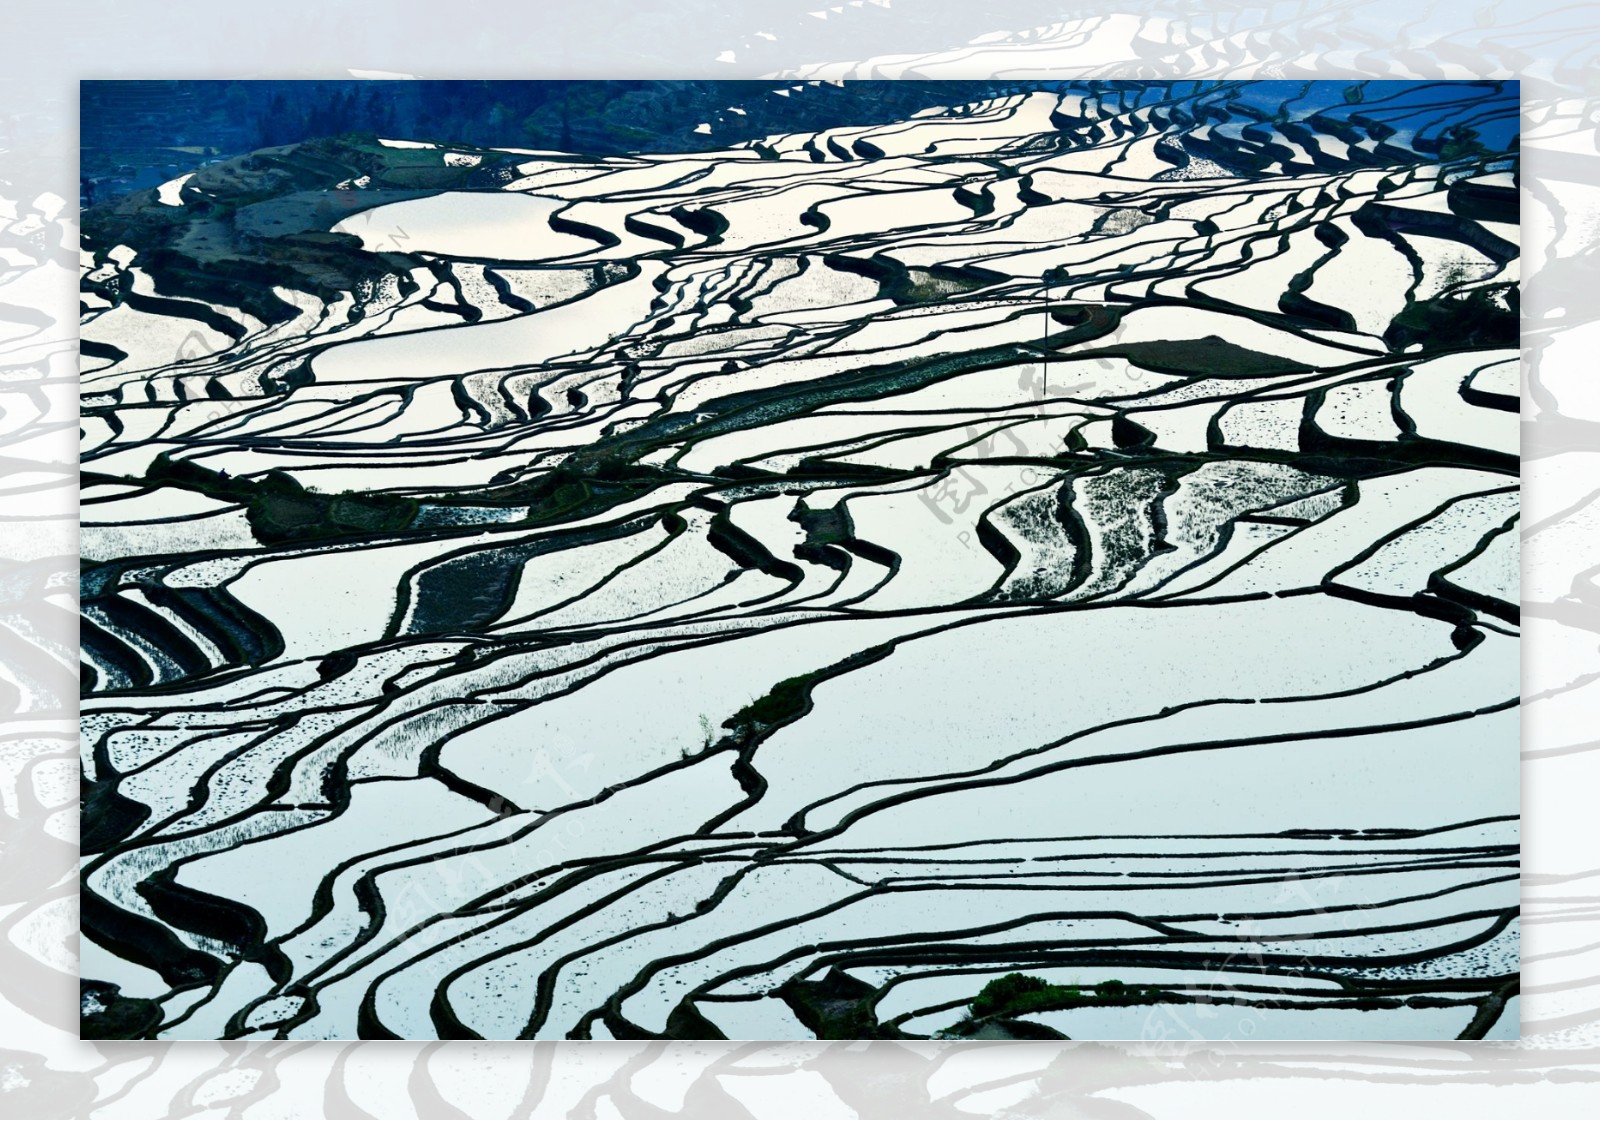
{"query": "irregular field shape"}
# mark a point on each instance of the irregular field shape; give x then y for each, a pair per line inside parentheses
(1038, 567)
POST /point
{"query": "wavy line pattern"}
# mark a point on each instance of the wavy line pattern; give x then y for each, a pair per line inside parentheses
(49, 1073)
(1003, 573)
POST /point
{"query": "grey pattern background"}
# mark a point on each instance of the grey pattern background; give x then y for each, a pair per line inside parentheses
(1552, 47)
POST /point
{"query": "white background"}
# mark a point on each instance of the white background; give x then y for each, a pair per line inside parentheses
(1555, 1071)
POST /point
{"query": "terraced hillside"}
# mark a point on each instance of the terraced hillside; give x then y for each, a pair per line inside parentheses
(1043, 567)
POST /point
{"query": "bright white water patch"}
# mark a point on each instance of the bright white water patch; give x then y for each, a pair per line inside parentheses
(170, 193)
(484, 225)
